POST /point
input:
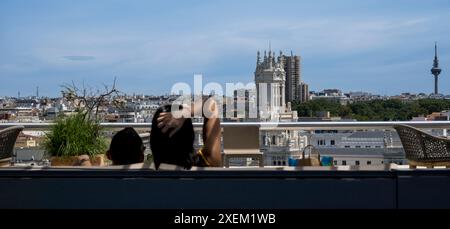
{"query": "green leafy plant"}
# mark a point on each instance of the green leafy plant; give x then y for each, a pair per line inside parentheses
(75, 135)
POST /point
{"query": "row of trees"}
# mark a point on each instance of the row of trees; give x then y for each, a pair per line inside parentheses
(375, 110)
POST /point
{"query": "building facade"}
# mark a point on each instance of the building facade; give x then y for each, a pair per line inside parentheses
(291, 65)
(270, 79)
(303, 92)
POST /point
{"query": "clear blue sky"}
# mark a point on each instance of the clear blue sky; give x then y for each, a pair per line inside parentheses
(380, 46)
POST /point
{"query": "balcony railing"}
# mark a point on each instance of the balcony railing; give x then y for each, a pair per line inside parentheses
(277, 125)
(305, 126)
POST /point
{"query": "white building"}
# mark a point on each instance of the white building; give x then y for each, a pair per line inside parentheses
(270, 79)
(359, 147)
(279, 145)
(331, 95)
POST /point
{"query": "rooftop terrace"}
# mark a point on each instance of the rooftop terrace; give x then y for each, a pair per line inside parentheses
(388, 186)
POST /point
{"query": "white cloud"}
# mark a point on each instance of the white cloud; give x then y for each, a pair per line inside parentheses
(171, 51)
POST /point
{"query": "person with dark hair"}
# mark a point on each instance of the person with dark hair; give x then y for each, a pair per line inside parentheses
(126, 148)
(172, 138)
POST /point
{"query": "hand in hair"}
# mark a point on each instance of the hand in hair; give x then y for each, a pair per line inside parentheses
(169, 124)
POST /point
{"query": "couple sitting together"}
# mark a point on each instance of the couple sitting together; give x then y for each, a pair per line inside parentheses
(172, 139)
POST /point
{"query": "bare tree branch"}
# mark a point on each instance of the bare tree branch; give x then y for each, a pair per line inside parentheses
(89, 99)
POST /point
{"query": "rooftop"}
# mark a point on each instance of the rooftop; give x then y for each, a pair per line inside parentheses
(372, 134)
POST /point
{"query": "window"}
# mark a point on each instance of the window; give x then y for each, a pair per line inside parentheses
(332, 142)
(356, 162)
(357, 146)
(347, 146)
(284, 162)
(344, 162)
(369, 162)
(367, 146)
(377, 146)
(274, 163)
(335, 162)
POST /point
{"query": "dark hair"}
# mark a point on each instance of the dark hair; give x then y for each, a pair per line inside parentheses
(126, 147)
(178, 149)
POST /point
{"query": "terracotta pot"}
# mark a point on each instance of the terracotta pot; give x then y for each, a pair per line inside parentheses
(98, 160)
(82, 160)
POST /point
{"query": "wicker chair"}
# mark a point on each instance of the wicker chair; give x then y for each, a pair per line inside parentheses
(423, 149)
(8, 138)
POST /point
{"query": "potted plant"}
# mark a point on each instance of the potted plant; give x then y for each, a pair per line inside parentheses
(76, 139)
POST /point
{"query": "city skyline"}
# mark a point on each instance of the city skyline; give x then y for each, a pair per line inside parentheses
(372, 46)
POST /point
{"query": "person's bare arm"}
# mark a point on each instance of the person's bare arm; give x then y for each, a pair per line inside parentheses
(212, 134)
(211, 127)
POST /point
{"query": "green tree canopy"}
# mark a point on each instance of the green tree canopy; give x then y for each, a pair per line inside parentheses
(374, 110)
